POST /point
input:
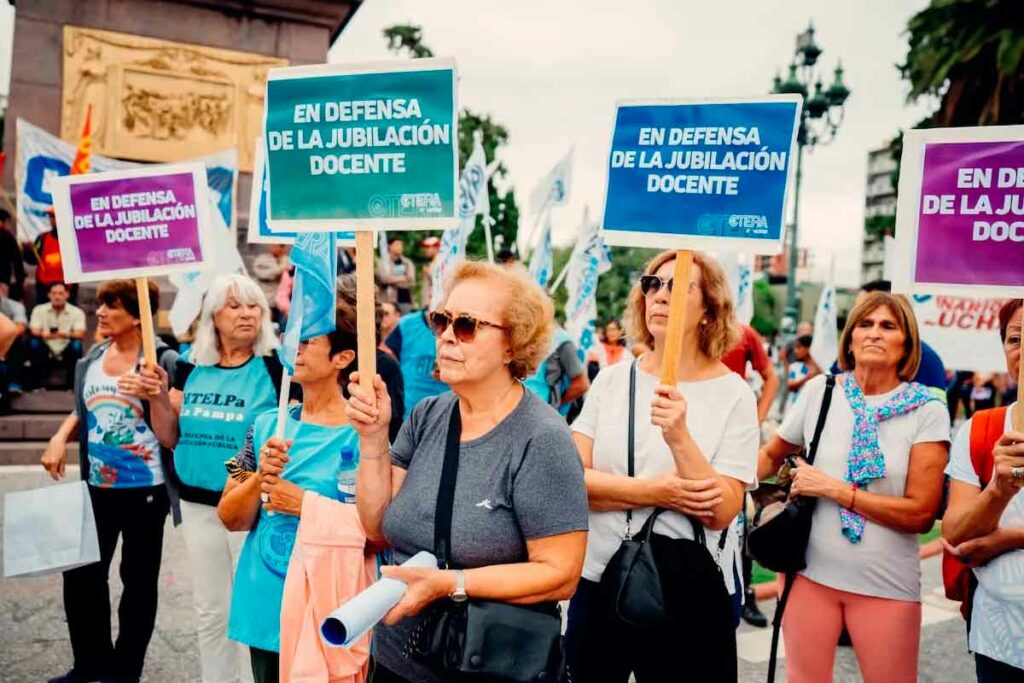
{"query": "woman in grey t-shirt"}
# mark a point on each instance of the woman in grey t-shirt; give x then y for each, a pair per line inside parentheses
(519, 518)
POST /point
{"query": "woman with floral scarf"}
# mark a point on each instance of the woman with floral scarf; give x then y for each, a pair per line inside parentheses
(878, 479)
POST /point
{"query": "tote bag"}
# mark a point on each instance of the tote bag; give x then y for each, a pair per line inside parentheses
(50, 529)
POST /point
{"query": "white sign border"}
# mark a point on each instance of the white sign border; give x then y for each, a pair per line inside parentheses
(373, 224)
(908, 206)
(60, 189)
(744, 245)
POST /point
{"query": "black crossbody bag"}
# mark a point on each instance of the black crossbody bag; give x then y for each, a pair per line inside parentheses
(483, 640)
(631, 585)
(781, 529)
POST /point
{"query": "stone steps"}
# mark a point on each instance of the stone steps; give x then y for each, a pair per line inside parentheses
(30, 452)
(43, 403)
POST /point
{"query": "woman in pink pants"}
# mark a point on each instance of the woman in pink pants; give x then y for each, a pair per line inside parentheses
(877, 478)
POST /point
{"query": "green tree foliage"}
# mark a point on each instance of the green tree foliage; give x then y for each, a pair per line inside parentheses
(613, 287)
(970, 55)
(766, 310)
(407, 39)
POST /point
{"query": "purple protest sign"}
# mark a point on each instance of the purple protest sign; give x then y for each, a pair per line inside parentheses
(132, 223)
(970, 220)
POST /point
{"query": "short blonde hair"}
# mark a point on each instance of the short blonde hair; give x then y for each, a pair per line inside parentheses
(910, 362)
(528, 319)
(721, 332)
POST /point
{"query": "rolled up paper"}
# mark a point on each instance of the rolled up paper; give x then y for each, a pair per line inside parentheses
(351, 621)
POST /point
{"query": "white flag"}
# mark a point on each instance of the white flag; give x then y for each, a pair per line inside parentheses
(740, 274)
(554, 188)
(472, 195)
(825, 347)
(588, 260)
(542, 260)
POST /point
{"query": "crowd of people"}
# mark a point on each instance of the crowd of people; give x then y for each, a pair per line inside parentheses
(551, 461)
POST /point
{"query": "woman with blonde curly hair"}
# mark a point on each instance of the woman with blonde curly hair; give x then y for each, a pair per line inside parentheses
(694, 447)
(519, 517)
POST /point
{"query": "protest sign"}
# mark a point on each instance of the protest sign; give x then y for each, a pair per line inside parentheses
(41, 157)
(964, 331)
(141, 222)
(960, 214)
(362, 147)
(259, 231)
(701, 174)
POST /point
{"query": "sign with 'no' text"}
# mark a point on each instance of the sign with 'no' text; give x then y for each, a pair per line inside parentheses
(141, 222)
(960, 216)
(361, 147)
(701, 174)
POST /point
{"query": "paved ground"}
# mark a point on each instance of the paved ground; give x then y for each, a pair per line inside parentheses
(34, 645)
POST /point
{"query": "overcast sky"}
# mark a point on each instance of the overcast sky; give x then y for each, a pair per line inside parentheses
(552, 71)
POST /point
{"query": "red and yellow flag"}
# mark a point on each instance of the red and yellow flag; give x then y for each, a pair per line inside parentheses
(83, 162)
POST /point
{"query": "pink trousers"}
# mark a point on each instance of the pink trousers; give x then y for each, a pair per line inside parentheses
(886, 634)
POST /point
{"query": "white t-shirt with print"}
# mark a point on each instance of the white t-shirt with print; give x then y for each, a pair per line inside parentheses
(885, 563)
(997, 616)
(722, 419)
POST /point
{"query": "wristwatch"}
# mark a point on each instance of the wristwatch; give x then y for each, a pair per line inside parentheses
(459, 594)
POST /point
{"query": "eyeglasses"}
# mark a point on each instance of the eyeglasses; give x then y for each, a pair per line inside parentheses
(652, 284)
(464, 326)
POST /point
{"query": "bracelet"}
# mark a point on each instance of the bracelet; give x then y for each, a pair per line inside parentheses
(853, 501)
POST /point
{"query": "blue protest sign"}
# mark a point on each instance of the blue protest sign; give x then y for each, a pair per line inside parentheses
(259, 231)
(362, 147)
(701, 175)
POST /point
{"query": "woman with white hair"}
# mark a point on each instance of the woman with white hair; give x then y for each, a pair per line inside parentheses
(232, 376)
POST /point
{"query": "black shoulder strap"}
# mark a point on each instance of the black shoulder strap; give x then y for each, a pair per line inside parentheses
(826, 401)
(631, 431)
(274, 367)
(446, 492)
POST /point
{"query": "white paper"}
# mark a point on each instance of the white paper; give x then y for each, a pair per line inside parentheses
(351, 621)
(50, 529)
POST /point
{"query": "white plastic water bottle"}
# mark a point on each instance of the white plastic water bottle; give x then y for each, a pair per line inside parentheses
(347, 475)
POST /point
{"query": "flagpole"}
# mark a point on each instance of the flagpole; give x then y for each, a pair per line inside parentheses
(533, 232)
(487, 236)
(561, 276)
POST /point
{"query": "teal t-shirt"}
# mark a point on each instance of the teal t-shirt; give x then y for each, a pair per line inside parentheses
(255, 618)
(218, 405)
(416, 348)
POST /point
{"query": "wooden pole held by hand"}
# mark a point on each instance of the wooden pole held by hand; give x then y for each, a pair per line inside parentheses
(366, 314)
(676, 318)
(146, 318)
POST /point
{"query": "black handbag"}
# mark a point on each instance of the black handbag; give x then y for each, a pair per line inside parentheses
(781, 529)
(483, 640)
(631, 585)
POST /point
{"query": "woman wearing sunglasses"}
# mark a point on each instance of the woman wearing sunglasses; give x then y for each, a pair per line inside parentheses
(695, 451)
(519, 519)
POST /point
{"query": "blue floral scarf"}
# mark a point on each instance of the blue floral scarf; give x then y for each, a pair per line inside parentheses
(866, 461)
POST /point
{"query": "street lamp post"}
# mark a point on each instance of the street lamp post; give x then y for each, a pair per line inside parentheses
(820, 118)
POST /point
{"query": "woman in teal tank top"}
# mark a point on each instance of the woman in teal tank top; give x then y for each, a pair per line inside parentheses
(269, 477)
(232, 376)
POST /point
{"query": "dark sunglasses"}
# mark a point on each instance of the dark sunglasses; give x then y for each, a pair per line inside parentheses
(652, 283)
(464, 326)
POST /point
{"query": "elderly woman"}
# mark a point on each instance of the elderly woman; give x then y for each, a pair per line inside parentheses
(695, 452)
(984, 523)
(128, 475)
(519, 519)
(877, 478)
(234, 375)
(317, 438)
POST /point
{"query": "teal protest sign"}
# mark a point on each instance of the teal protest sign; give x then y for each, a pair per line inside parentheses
(361, 147)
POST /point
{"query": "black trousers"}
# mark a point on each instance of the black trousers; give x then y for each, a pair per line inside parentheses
(603, 649)
(993, 671)
(266, 665)
(136, 515)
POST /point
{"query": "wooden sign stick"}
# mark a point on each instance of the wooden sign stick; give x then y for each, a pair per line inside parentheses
(366, 315)
(676, 318)
(146, 318)
(1018, 410)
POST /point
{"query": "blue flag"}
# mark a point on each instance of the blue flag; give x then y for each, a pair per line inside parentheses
(314, 294)
(541, 261)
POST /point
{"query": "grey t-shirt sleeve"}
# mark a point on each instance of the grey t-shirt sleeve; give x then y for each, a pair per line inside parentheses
(548, 492)
(409, 435)
(570, 360)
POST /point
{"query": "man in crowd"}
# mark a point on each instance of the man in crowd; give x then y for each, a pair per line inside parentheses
(430, 247)
(12, 362)
(397, 276)
(412, 343)
(562, 377)
(49, 266)
(58, 328)
(751, 351)
(388, 321)
(267, 269)
(12, 269)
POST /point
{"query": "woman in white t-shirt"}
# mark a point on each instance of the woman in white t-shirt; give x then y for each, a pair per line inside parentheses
(695, 453)
(984, 524)
(878, 479)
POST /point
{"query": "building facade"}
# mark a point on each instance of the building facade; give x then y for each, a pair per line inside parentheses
(879, 212)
